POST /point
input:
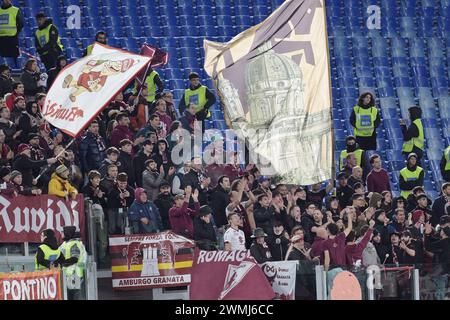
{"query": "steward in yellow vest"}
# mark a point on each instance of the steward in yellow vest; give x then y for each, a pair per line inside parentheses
(11, 24)
(154, 85)
(445, 164)
(411, 176)
(365, 118)
(74, 265)
(199, 95)
(48, 254)
(47, 41)
(414, 139)
(353, 147)
(100, 37)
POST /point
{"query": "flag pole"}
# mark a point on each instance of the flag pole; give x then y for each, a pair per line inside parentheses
(141, 85)
(57, 156)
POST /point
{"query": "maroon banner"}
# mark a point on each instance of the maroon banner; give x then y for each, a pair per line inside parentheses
(150, 261)
(22, 219)
(228, 275)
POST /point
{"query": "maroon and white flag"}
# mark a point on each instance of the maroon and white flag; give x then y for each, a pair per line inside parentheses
(228, 275)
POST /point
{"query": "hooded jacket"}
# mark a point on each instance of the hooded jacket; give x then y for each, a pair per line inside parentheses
(60, 187)
(139, 210)
(164, 202)
(181, 219)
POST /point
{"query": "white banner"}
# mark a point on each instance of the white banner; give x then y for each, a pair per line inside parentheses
(85, 87)
(281, 275)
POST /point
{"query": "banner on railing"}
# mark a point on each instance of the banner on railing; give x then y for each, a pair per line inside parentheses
(228, 275)
(44, 285)
(22, 219)
(151, 261)
(281, 275)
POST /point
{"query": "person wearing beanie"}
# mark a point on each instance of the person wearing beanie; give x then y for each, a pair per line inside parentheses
(140, 159)
(60, 185)
(411, 176)
(204, 234)
(181, 216)
(144, 215)
(439, 205)
(422, 204)
(74, 265)
(15, 183)
(6, 187)
(48, 254)
(352, 147)
(24, 164)
(414, 139)
(163, 159)
(164, 202)
(343, 191)
(365, 118)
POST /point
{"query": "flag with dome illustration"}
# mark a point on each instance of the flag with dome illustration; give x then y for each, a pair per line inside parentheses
(274, 81)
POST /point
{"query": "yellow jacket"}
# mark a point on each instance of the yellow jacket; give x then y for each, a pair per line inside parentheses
(59, 187)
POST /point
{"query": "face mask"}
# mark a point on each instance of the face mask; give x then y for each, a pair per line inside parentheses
(351, 148)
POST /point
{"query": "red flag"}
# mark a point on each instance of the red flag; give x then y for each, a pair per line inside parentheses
(228, 275)
(158, 58)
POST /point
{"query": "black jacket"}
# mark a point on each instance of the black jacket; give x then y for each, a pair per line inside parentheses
(114, 201)
(438, 209)
(260, 253)
(204, 234)
(25, 165)
(219, 202)
(264, 219)
(164, 203)
(90, 155)
(126, 165)
(441, 248)
(139, 166)
(344, 195)
(5, 85)
(30, 82)
(89, 192)
(278, 246)
(51, 46)
(307, 224)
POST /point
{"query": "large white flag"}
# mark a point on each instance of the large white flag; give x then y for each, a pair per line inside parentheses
(85, 87)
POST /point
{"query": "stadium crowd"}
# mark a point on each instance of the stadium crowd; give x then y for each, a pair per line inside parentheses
(123, 164)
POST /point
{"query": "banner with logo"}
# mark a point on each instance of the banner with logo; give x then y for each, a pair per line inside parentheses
(274, 81)
(22, 219)
(86, 86)
(228, 275)
(281, 275)
(43, 285)
(151, 261)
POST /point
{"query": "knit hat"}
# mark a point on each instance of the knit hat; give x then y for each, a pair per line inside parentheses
(22, 147)
(15, 173)
(420, 196)
(69, 232)
(61, 169)
(375, 197)
(4, 171)
(378, 213)
(32, 136)
(204, 211)
(412, 154)
(416, 215)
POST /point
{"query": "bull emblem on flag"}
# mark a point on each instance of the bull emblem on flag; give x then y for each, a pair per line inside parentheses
(94, 75)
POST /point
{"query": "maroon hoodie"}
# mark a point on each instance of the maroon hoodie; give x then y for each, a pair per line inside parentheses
(181, 219)
(354, 252)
